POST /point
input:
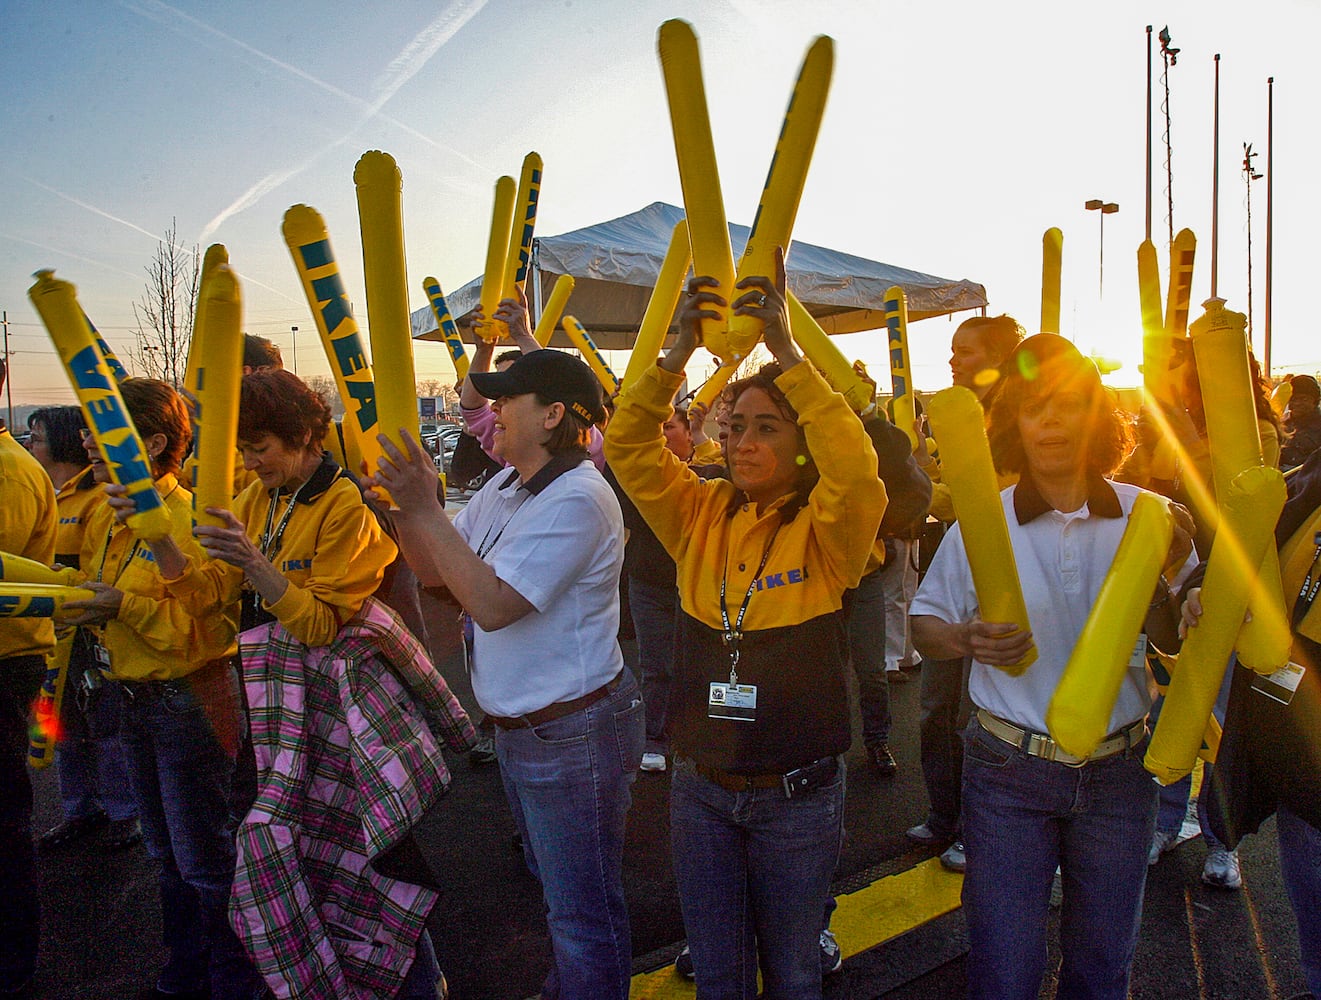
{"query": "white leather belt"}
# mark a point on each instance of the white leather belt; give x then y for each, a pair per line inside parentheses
(1037, 745)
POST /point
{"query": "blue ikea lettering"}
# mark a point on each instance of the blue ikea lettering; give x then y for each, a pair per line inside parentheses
(290, 565)
(365, 395)
(126, 460)
(782, 579)
(332, 301)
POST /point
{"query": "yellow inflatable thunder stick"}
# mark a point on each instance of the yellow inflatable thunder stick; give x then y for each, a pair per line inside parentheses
(1079, 714)
(1220, 349)
(219, 353)
(380, 187)
(1248, 512)
(497, 250)
(20, 569)
(1180, 293)
(958, 423)
(550, 315)
(1157, 345)
(309, 245)
(45, 732)
(445, 324)
(695, 152)
(660, 307)
(772, 227)
(1280, 397)
(1052, 263)
(113, 363)
(706, 394)
(591, 354)
(901, 378)
(216, 254)
(828, 359)
(524, 224)
(38, 600)
(103, 408)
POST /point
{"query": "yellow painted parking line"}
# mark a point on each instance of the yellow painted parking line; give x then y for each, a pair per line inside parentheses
(864, 919)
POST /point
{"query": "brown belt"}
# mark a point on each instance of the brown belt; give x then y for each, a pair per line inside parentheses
(731, 782)
(559, 709)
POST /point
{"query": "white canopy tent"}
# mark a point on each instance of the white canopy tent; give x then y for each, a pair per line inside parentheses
(615, 264)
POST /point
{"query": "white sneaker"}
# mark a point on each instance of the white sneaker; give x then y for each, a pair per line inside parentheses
(654, 762)
(1161, 841)
(1221, 870)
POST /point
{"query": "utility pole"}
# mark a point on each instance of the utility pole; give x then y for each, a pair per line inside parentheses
(9, 392)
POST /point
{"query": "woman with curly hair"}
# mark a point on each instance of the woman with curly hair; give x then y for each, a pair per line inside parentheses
(1028, 806)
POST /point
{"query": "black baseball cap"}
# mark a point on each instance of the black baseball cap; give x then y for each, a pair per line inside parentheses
(555, 376)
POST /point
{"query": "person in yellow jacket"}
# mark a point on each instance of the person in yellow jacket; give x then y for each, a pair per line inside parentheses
(27, 528)
(180, 720)
(759, 704)
(299, 545)
(94, 788)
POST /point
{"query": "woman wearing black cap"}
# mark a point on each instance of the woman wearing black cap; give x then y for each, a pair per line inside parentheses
(534, 559)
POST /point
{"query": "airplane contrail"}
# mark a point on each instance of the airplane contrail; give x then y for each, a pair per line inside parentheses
(91, 208)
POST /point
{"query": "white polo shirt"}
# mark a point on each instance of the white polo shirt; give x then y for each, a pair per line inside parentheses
(1062, 560)
(559, 541)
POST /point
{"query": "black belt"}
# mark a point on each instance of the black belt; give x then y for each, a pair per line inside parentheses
(800, 779)
(559, 709)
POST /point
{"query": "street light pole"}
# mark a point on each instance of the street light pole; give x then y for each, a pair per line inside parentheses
(294, 331)
(1105, 208)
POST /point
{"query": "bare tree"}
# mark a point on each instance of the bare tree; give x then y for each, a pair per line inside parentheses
(166, 310)
(325, 385)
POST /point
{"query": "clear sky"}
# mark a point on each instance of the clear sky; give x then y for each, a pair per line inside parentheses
(956, 132)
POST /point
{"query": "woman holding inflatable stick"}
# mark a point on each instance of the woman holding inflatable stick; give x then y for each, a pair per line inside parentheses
(301, 554)
(180, 712)
(1029, 806)
(758, 730)
(534, 558)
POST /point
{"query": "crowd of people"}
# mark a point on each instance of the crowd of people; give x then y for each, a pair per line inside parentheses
(252, 695)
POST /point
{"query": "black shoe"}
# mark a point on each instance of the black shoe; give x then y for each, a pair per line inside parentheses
(882, 761)
(483, 752)
(122, 834)
(71, 831)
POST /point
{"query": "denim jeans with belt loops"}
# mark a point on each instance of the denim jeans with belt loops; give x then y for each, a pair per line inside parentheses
(568, 784)
(753, 870)
(1022, 817)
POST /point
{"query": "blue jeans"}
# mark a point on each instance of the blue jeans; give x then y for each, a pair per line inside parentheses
(1022, 817)
(653, 609)
(20, 912)
(181, 778)
(1174, 798)
(866, 632)
(945, 710)
(567, 782)
(90, 758)
(1300, 866)
(753, 870)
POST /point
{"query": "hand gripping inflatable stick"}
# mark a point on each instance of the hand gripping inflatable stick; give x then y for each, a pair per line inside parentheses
(699, 179)
(309, 244)
(1182, 252)
(1247, 523)
(591, 354)
(660, 307)
(706, 394)
(827, 358)
(219, 353)
(103, 408)
(1079, 714)
(958, 423)
(445, 324)
(524, 224)
(550, 316)
(389, 326)
(1052, 263)
(1280, 398)
(1220, 348)
(772, 227)
(901, 378)
(497, 250)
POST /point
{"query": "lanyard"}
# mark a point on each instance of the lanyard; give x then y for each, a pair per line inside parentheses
(734, 635)
(1312, 583)
(100, 570)
(488, 543)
